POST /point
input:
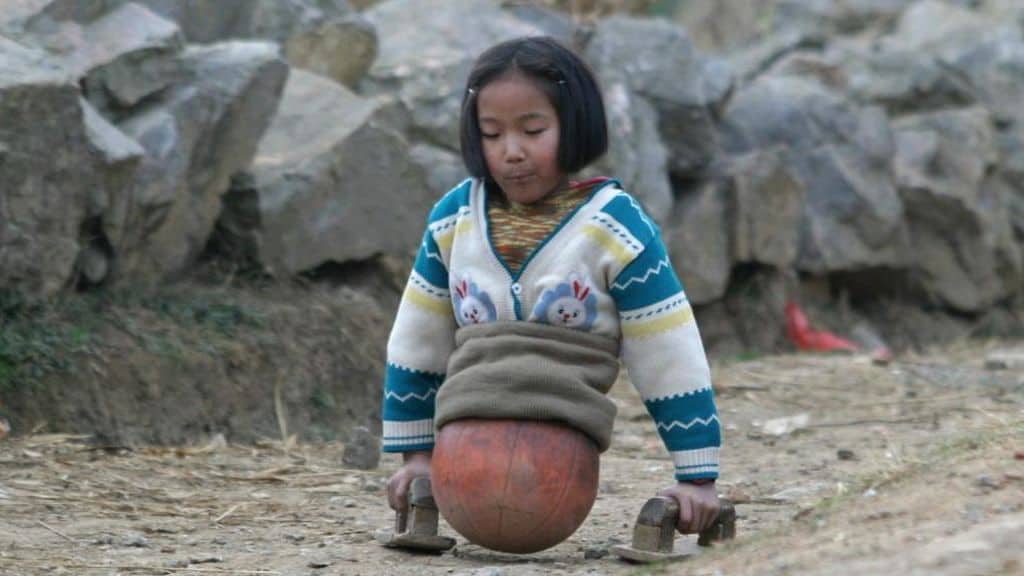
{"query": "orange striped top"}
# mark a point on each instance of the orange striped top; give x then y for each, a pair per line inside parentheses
(517, 229)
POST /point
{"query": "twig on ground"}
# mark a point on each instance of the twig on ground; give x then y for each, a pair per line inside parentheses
(228, 513)
(57, 532)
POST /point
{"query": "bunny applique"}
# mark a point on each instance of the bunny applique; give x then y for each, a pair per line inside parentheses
(472, 305)
(571, 304)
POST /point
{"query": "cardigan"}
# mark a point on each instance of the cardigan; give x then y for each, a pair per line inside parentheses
(604, 270)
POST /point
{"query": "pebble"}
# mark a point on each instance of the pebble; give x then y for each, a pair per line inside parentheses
(594, 552)
(362, 451)
(845, 454)
(136, 541)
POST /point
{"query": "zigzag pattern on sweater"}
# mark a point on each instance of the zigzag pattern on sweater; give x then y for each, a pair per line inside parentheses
(662, 264)
(405, 397)
(688, 425)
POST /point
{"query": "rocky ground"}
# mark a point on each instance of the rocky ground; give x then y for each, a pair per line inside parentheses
(837, 466)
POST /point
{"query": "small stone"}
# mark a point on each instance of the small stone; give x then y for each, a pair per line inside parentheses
(319, 564)
(362, 451)
(594, 553)
(845, 454)
(986, 481)
(136, 541)
(294, 537)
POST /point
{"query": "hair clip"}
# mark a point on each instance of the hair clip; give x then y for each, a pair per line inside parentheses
(471, 91)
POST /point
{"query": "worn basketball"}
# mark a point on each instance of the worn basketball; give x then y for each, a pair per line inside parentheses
(515, 486)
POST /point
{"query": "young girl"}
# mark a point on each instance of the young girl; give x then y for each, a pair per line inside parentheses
(521, 250)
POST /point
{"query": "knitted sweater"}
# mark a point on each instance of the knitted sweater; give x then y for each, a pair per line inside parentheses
(604, 270)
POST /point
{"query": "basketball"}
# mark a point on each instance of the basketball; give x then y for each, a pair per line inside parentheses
(516, 486)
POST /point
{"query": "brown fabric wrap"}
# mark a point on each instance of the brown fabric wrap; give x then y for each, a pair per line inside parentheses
(531, 371)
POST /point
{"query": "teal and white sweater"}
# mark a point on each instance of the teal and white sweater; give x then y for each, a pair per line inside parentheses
(604, 270)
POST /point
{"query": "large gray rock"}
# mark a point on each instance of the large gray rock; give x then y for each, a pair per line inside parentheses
(326, 36)
(656, 60)
(636, 154)
(329, 184)
(963, 253)
(996, 69)
(698, 241)
(723, 25)
(340, 48)
(944, 28)
(426, 52)
(903, 81)
(443, 168)
(842, 17)
(123, 56)
(767, 205)
(59, 164)
(853, 216)
(198, 135)
(748, 213)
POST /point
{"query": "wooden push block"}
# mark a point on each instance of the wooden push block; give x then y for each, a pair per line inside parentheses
(655, 529)
(416, 526)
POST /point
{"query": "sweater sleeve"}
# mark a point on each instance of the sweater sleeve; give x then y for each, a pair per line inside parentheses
(422, 338)
(664, 356)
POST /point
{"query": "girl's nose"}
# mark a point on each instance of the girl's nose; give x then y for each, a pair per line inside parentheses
(514, 150)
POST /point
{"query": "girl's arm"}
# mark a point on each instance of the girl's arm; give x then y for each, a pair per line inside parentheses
(421, 340)
(664, 355)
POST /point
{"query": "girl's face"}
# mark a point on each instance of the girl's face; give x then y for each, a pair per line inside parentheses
(519, 130)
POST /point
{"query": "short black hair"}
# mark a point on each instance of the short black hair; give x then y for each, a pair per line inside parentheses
(568, 83)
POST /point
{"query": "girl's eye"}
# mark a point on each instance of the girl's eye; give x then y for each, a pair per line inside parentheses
(536, 131)
(487, 136)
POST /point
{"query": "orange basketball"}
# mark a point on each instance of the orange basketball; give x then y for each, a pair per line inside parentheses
(514, 485)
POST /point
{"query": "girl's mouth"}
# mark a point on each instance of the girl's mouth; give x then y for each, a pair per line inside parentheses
(518, 178)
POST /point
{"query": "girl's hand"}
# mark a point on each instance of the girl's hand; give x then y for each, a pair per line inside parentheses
(698, 505)
(416, 464)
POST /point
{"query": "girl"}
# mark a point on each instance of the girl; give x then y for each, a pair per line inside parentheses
(521, 269)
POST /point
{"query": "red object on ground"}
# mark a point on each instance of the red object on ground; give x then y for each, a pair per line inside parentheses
(517, 486)
(799, 330)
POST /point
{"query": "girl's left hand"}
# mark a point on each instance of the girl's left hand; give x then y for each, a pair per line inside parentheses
(698, 505)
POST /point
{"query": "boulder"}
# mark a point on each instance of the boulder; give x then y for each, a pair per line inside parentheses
(636, 154)
(328, 37)
(903, 81)
(60, 164)
(840, 152)
(329, 184)
(122, 57)
(196, 136)
(442, 167)
(995, 69)
(767, 202)
(945, 28)
(657, 62)
(962, 254)
(340, 48)
(426, 52)
(748, 214)
(698, 241)
(723, 25)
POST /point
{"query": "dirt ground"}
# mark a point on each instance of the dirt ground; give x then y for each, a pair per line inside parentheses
(836, 465)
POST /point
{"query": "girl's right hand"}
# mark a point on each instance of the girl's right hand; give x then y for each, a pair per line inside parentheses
(416, 465)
